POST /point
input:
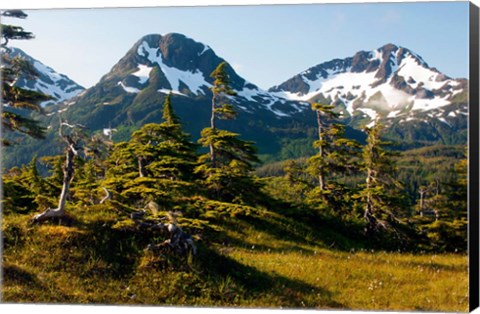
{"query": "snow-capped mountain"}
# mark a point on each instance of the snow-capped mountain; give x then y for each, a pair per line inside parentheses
(133, 91)
(157, 65)
(183, 68)
(48, 82)
(391, 83)
(418, 104)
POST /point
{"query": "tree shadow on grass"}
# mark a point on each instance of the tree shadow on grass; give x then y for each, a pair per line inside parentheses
(28, 288)
(301, 233)
(100, 250)
(229, 242)
(283, 230)
(111, 252)
(287, 292)
(332, 231)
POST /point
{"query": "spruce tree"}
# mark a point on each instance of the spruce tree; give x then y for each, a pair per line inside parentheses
(318, 163)
(381, 194)
(445, 210)
(156, 164)
(221, 88)
(14, 32)
(164, 149)
(228, 165)
(22, 186)
(169, 117)
(298, 180)
(16, 101)
(337, 157)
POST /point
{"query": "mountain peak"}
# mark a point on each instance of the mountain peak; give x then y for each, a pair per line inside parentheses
(387, 82)
(185, 67)
(48, 82)
(389, 47)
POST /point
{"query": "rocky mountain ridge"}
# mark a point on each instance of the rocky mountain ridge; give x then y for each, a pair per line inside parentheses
(48, 82)
(390, 83)
(418, 104)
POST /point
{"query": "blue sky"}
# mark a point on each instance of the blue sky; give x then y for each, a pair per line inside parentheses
(266, 44)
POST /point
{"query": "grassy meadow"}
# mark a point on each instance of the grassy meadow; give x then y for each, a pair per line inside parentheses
(260, 260)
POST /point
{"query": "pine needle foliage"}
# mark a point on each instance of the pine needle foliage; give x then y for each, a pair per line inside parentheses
(18, 102)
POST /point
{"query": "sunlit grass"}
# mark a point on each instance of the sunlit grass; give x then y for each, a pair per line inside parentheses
(271, 262)
(366, 280)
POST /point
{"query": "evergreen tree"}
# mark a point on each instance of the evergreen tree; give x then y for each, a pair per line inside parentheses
(318, 164)
(445, 211)
(232, 176)
(221, 88)
(228, 166)
(169, 117)
(459, 190)
(156, 164)
(14, 32)
(164, 150)
(16, 101)
(87, 182)
(298, 180)
(381, 195)
(55, 179)
(337, 156)
(22, 187)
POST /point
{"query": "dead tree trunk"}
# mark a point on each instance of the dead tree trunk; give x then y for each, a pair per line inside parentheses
(67, 179)
(108, 196)
(422, 192)
(141, 168)
(321, 183)
(70, 152)
(213, 156)
(368, 213)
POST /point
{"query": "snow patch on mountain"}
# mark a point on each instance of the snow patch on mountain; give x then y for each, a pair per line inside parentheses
(370, 113)
(143, 73)
(255, 94)
(429, 104)
(168, 91)
(48, 82)
(444, 121)
(193, 80)
(417, 73)
(205, 49)
(129, 89)
(265, 99)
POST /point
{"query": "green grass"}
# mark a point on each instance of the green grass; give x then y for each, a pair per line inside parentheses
(375, 281)
(264, 260)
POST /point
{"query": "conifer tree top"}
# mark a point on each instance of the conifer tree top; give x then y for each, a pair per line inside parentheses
(221, 84)
(168, 115)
